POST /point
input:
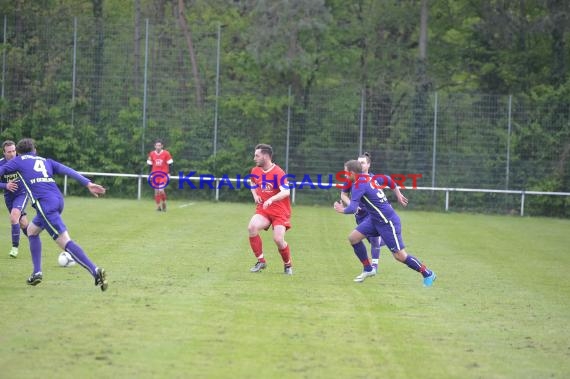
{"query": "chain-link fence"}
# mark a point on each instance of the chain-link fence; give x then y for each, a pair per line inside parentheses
(97, 97)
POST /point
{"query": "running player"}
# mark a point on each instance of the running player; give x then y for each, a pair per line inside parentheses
(361, 213)
(270, 191)
(383, 221)
(15, 197)
(36, 175)
(160, 162)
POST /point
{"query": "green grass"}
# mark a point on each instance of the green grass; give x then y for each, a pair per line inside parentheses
(182, 304)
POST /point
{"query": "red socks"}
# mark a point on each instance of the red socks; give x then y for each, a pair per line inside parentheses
(257, 247)
(286, 255)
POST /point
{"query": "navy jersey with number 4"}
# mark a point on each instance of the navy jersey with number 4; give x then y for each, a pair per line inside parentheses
(36, 175)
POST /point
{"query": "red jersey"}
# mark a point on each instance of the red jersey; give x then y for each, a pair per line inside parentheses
(267, 184)
(159, 161)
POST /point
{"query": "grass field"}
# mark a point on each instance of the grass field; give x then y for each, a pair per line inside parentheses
(181, 302)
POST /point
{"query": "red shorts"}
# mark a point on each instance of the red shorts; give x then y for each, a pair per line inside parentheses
(276, 218)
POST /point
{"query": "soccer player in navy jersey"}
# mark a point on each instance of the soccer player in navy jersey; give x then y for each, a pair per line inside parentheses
(36, 176)
(375, 242)
(382, 221)
(15, 197)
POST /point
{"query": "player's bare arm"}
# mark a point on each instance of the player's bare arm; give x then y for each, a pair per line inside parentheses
(403, 200)
(338, 206)
(11, 186)
(256, 197)
(96, 189)
(283, 193)
(344, 197)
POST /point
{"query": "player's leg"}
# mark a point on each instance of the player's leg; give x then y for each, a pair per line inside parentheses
(375, 250)
(15, 215)
(366, 228)
(34, 230)
(24, 223)
(283, 247)
(392, 236)
(256, 224)
(157, 199)
(65, 242)
(163, 199)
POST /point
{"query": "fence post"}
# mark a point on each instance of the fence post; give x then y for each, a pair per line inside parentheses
(3, 68)
(434, 154)
(288, 131)
(217, 96)
(362, 100)
(217, 182)
(509, 123)
(144, 88)
(73, 74)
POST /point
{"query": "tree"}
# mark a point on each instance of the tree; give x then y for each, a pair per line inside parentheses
(188, 36)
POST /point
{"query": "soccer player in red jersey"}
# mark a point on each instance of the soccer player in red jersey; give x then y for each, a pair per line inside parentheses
(270, 191)
(160, 161)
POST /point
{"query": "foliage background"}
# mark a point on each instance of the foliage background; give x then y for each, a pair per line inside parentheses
(320, 80)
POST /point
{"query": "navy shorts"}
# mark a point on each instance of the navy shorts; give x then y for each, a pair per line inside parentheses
(390, 232)
(48, 216)
(19, 201)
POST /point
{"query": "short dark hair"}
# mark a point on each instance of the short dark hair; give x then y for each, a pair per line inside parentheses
(8, 143)
(25, 146)
(353, 165)
(265, 149)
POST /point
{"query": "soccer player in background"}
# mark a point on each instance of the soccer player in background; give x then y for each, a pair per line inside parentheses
(15, 197)
(270, 191)
(160, 162)
(361, 213)
(36, 176)
(382, 221)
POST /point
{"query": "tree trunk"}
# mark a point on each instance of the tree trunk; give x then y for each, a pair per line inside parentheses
(559, 19)
(137, 47)
(97, 60)
(188, 36)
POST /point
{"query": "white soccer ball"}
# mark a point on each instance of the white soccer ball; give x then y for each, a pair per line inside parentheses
(65, 259)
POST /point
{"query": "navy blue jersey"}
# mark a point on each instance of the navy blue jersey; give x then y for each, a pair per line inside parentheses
(369, 193)
(361, 211)
(36, 175)
(10, 176)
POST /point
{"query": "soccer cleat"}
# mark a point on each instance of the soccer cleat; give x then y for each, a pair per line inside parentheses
(288, 270)
(258, 267)
(101, 278)
(158, 209)
(363, 275)
(375, 267)
(14, 252)
(35, 279)
(428, 281)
